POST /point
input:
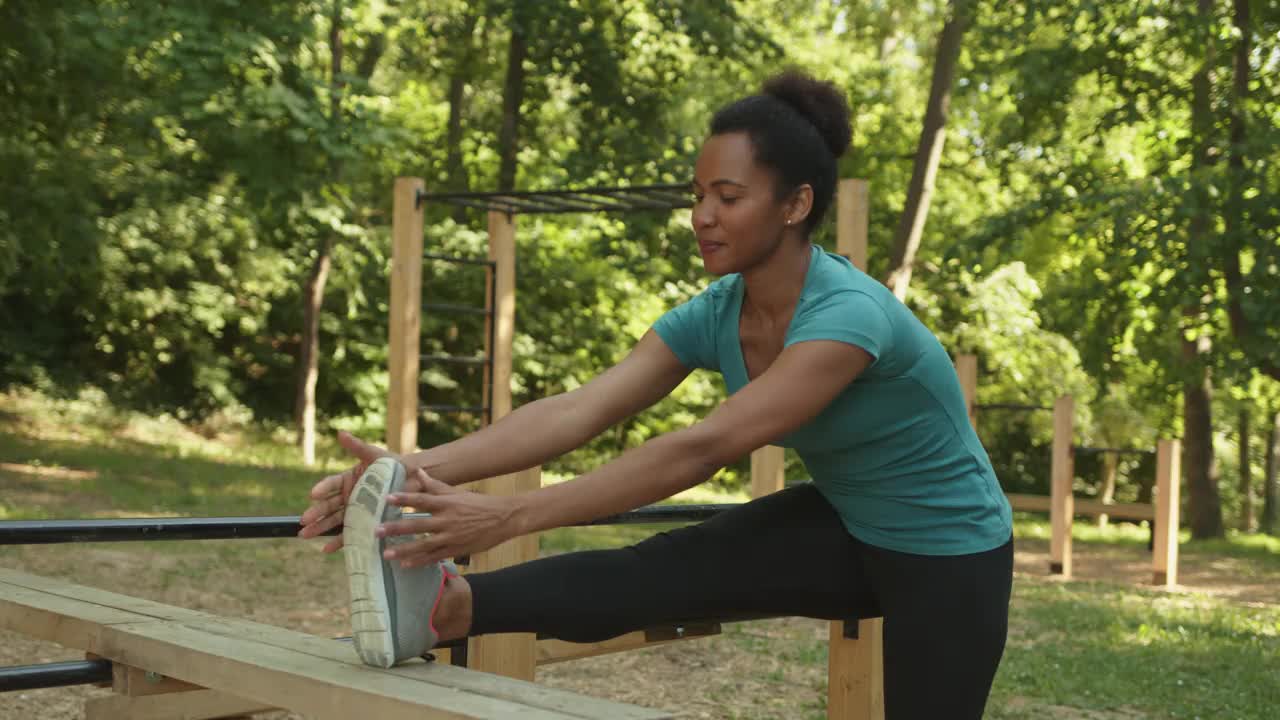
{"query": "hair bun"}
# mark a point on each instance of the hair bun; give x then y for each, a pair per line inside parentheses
(819, 102)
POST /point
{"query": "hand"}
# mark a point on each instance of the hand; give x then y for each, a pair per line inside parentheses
(461, 522)
(329, 496)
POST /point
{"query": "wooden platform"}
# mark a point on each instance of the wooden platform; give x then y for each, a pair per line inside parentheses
(271, 666)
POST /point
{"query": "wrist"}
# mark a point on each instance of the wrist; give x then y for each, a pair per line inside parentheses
(521, 515)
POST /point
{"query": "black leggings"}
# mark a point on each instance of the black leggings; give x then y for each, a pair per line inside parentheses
(945, 617)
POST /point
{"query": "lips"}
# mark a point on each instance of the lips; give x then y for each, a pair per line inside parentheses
(707, 247)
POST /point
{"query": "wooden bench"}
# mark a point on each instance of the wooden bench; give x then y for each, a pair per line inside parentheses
(175, 662)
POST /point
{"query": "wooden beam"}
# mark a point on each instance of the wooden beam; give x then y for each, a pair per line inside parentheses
(193, 705)
(855, 668)
(136, 682)
(767, 470)
(1083, 508)
(967, 372)
(853, 207)
(404, 320)
(1062, 509)
(512, 655)
(313, 676)
(1168, 494)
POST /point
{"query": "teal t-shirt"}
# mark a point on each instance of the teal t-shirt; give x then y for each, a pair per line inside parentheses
(894, 452)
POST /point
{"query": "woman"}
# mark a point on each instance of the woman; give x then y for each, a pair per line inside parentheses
(904, 510)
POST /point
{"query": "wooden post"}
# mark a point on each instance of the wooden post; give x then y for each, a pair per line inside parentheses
(855, 667)
(1062, 503)
(767, 470)
(967, 371)
(405, 322)
(1165, 529)
(853, 205)
(1110, 466)
(513, 655)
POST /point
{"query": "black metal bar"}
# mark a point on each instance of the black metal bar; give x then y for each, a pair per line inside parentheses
(453, 408)
(460, 260)
(455, 307)
(44, 532)
(1010, 406)
(598, 199)
(49, 675)
(1085, 450)
(458, 359)
(557, 204)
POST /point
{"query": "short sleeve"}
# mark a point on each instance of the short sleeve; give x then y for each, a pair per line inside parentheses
(848, 316)
(689, 330)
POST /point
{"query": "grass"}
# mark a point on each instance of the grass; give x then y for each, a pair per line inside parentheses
(1076, 649)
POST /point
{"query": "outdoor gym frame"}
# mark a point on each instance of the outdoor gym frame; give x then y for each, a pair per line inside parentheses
(855, 671)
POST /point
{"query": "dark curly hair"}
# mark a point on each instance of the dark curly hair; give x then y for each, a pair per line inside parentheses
(799, 126)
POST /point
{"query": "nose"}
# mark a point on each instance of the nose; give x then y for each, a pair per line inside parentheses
(703, 215)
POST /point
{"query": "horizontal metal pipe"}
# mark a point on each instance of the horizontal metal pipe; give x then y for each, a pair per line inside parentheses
(48, 675)
(42, 532)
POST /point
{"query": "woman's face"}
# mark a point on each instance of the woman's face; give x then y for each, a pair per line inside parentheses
(736, 218)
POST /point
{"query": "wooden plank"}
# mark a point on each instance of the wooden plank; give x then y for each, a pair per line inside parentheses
(513, 655)
(277, 667)
(194, 705)
(136, 682)
(767, 470)
(967, 372)
(1164, 569)
(1062, 507)
(855, 668)
(1083, 507)
(404, 320)
(855, 672)
(853, 207)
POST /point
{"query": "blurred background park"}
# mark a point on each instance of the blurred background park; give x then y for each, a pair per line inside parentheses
(195, 220)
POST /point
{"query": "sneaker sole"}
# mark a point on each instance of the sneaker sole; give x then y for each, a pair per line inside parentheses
(370, 611)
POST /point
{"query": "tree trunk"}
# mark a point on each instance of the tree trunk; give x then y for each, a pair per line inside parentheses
(906, 238)
(309, 361)
(1204, 504)
(1246, 475)
(1271, 479)
(512, 98)
(455, 170)
(313, 293)
(1241, 328)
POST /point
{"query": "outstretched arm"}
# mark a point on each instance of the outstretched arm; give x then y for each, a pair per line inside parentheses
(529, 436)
(547, 428)
(802, 381)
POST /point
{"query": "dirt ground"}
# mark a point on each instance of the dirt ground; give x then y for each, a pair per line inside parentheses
(732, 675)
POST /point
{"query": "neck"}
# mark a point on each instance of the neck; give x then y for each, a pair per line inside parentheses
(773, 287)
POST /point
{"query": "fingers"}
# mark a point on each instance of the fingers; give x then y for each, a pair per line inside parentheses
(319, 509)
(412, 526)
(320, 523)
(422, 552)
(366, 452)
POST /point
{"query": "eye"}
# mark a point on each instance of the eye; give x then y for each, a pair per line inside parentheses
(729, 200)
(697, 198)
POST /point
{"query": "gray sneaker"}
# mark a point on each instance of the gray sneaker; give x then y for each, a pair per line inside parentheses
(391, 606)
